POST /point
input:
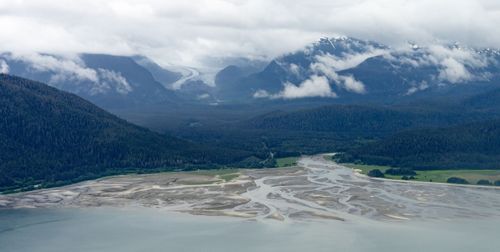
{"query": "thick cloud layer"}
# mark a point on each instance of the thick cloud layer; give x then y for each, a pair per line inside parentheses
(70, 70)
(193, 32)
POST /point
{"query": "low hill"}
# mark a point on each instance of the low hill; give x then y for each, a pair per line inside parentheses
(471, 146)
(359, 120)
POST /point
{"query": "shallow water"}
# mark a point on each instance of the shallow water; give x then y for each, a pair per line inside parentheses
(110, 229)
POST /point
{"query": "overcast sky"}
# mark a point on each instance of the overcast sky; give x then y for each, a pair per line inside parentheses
(186, 32)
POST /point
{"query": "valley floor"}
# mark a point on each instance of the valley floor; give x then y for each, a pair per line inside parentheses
(316, 188)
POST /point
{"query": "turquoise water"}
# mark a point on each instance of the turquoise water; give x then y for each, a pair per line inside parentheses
(153, 230)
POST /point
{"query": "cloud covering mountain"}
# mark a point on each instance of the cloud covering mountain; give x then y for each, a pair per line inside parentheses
(191, 32)
(351, 68)
(107, 80)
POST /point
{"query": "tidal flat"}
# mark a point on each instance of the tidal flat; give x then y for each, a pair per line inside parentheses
(317, 205)
(316, 188)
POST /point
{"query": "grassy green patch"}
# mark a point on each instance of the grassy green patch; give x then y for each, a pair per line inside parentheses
(286, 162)
(437, 175)
(470, 175)
(229, 177)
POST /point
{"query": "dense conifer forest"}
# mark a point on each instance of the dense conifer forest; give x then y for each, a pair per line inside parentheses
(49, 137)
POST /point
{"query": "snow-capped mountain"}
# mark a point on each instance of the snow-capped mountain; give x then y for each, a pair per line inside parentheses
(345, 70)
(417, 71)
(296, 67)
(350, 69)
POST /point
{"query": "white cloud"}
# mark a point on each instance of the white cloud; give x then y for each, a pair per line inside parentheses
(186, 32)
(347, 61)
(315, 86)
(294, 69)
(70, 70)
(261, 94)
(349, 83)
(423, 85)
(346, 82)
(328, 65)
(112, 78)
(454, 63)
(62, 68)
(131, 10)
(4, 68)
(454, 71)
(203, 96)
(464, 55)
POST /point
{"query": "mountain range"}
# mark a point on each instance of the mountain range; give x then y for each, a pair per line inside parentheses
(338, 70)
(350, 70)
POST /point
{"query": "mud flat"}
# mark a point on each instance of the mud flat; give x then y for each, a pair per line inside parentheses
(315, 189)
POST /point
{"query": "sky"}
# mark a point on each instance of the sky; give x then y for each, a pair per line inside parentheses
(195, 32)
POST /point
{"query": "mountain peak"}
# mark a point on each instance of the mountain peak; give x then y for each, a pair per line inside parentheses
(342, 45)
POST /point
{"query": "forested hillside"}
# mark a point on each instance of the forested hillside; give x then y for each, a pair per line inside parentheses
(327, 128)
(49, 137)
(357, 120)
(471, 146)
